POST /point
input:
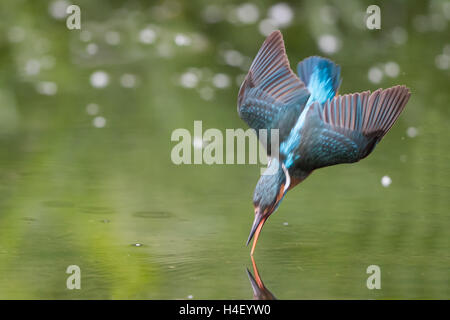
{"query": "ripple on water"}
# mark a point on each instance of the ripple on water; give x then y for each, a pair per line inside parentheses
(153, 214)
(97, 210)
(57, 204)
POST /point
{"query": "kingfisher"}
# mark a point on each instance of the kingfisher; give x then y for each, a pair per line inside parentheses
(316, 126)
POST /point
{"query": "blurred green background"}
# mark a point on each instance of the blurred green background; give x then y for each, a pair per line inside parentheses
(86, 177)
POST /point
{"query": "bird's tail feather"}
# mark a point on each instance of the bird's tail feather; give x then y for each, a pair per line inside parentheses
(321, 76)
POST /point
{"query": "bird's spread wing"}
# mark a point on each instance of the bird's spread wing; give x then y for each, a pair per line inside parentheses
(271, 91)
(347, 128)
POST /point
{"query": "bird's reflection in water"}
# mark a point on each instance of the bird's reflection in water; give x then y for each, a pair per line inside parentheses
(260, 292)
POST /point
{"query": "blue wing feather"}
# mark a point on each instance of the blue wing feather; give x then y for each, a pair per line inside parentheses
(270, 86)
(271, 96)
(347, 128)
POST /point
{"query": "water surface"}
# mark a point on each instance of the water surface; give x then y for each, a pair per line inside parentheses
(95, 186)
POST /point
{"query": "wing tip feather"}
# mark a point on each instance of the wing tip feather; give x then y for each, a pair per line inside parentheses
(271, 73)
(367, 112)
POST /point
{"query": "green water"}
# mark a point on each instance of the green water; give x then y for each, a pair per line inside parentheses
(75, 193)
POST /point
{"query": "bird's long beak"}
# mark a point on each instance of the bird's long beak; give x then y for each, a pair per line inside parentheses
(256, 229)
(260, 292)
(258, 279)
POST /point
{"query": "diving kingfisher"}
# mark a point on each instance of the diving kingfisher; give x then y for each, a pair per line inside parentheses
(316, 126)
